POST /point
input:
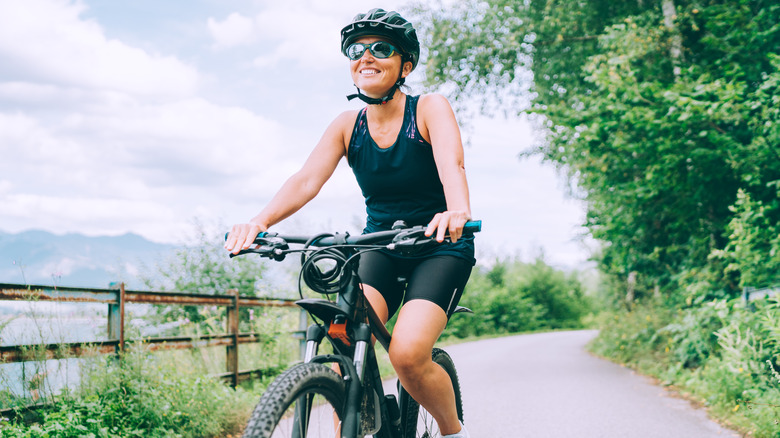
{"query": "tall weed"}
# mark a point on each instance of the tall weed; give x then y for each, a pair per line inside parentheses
(722, 353)
(635, 337)
(141, 395)
(692, 335)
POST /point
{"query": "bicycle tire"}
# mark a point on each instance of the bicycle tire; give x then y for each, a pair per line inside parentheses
(416, 421)
(303, 386)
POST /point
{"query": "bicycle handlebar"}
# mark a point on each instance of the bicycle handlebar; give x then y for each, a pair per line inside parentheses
(400, 237)
(378, 237)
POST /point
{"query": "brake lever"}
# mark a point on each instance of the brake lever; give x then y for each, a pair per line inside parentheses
(270, 246)
(411, 240)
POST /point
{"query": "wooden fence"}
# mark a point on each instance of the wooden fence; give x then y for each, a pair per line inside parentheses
(117, 298)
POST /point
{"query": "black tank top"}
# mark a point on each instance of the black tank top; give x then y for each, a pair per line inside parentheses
(400, 182)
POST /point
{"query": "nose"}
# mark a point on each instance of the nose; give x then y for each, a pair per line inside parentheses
(367, 54)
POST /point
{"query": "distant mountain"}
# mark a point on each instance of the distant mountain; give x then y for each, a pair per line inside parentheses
(40, 257)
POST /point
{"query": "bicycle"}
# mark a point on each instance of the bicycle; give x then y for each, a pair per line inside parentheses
(311, 399)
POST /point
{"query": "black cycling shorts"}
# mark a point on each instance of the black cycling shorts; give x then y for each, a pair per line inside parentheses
(438, 279)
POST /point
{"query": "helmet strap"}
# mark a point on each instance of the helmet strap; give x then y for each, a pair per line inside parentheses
(380, 101)
(374, 100)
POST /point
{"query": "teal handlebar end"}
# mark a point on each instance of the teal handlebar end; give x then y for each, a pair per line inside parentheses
(473, 226)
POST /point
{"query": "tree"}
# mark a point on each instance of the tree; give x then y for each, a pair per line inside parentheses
(657, 112)
(203, 267)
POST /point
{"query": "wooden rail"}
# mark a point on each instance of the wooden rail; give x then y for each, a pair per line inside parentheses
(116, 299)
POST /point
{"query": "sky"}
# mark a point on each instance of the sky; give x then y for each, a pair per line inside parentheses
(146, 117)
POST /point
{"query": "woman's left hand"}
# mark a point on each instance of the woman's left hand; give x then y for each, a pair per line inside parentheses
(448, 221)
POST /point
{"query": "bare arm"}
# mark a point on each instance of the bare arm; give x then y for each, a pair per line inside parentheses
(440, 128)
(301, 187)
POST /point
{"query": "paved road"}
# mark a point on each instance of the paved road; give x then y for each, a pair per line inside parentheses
(547, 386)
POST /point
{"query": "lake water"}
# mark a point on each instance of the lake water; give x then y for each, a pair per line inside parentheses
(55, 323)
(33, 323)
(24, 329)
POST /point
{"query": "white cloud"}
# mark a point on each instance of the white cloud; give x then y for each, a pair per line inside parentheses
(100, 137)
(233, 31)
(94, 215)
(141, 151)
(305, 33)
(48, 41)
(5, 187)
(92, 146)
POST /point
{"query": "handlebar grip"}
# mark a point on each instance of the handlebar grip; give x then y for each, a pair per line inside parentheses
(259, 236)
(472, 227)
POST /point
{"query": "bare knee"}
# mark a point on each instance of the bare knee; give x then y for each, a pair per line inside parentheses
(409, 362)
(418, 327)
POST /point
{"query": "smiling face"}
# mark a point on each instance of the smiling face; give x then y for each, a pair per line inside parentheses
(375, 76)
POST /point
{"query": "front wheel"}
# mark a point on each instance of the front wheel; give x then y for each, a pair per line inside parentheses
(305, 401)
(416, 421)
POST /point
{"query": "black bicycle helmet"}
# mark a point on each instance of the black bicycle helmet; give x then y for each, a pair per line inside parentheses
(390, 25)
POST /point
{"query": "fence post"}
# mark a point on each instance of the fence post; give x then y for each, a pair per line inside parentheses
(116, 320)
(232, 328)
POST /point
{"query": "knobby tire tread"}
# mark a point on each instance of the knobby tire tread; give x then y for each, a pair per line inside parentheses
(287, 388)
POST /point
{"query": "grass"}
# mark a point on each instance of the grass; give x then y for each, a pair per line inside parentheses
(169, 393)
(722, 356)
(165, 393)
(142, 395)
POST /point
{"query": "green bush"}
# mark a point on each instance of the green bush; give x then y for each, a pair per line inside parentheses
(511, 296)
(141, 395)
(693, 335)
(725, 354)
(635, 338)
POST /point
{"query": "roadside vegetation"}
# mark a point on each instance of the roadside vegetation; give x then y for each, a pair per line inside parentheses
(721, 354)
(144, 393)
(172, 394)
(664, 118)
(140, 395)
(511, 296)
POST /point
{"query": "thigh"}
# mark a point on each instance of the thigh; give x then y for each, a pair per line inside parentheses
(440, 280)
(419, 325)
(380, 272)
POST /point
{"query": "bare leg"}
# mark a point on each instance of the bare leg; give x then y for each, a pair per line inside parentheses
(419, 326)
(377, 302)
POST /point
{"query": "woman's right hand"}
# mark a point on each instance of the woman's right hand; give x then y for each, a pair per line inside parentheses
(242, 236)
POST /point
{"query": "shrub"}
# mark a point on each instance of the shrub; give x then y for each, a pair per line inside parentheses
(140, 395)
(724, 353)
(635, 337)
(693, 335)
(511, 297)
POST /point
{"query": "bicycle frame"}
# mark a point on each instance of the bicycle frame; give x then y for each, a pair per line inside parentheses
(349, 324)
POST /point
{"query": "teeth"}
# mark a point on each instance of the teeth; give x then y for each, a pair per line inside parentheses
(368, 72)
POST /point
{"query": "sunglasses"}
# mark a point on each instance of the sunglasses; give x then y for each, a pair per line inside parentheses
(379, 49)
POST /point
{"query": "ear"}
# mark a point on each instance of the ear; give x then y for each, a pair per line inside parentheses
(406, 69)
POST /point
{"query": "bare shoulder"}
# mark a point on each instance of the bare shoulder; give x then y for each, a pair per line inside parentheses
(348, 116)
(433, 102)
(342, 126)
(434, 113)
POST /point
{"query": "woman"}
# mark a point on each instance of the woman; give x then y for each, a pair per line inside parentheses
(407, 156)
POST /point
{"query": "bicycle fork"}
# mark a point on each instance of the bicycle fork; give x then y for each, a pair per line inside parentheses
(352, 372)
